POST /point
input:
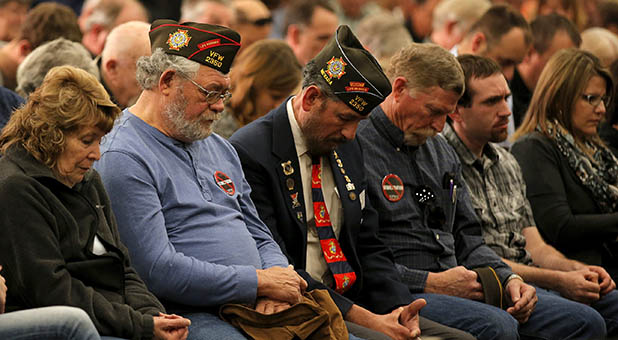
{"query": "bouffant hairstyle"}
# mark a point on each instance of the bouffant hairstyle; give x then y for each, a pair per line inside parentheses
(69, 99)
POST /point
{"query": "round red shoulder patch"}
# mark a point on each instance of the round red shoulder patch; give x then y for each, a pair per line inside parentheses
(392, 187)
(225, 182)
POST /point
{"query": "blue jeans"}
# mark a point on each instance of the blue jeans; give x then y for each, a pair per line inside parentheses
(553, 318)
(607, 306)
(56, 323)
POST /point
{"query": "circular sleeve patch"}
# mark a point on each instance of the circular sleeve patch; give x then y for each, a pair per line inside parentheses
(225, 182)
(392, 187)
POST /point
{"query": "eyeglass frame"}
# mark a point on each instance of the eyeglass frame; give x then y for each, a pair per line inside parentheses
(592, 98)
(210, 96)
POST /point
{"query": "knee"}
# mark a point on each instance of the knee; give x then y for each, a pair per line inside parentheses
(499, 326)
(591, 324)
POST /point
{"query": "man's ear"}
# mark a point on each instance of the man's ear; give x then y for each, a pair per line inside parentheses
(456, 115)
(309, 97)
(111, 66)
(23, 49)
(166, 82)
(293, 34)
(400, 86)
(478, 42)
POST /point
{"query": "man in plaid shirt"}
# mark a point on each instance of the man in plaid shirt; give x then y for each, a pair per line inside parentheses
(498, 194)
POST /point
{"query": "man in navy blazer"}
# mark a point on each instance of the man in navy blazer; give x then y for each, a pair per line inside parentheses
(321, 219)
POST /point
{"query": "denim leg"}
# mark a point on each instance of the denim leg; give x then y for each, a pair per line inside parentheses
(207, 326)
(607, 306)
(555, 317)
(483, 321)
(55, 323)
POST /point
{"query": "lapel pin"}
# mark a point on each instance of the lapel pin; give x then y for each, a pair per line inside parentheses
(352, 196)
(290, 183)
(287, 168)
(350, 186)
(299, 215)
(295, 203)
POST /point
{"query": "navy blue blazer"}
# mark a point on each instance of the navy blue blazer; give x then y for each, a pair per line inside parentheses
(264, 147)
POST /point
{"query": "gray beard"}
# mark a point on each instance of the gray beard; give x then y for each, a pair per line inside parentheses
(190, 130)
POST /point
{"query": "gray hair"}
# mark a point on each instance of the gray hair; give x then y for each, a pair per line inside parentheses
(383, 35)
(58, 52)
(427, 65)
(312, 76)
(463, 12)
(150, 68)
(191, 10)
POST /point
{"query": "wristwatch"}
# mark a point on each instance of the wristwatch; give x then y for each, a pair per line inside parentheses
(511, 277)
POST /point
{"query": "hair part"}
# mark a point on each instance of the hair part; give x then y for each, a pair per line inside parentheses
(560, 86)
(68, 99)
(426, 65)
(475, 67)
(150, 68)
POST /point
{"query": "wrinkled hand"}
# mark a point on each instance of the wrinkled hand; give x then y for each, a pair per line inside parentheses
(606, 282)
(581, 286)
(401, 323)
(457, 281)
(3, 290)
(524, 300)
(282, 284)
(270, 306)
(170, 327)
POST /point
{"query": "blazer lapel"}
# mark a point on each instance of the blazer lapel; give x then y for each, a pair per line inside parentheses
(287, 167)
(348, 193)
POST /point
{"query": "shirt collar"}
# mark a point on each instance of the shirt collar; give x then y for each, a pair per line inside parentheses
(384, 125)
(297, 133)
(465, 155)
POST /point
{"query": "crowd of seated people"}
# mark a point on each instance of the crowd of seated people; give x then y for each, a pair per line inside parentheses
(313, 169)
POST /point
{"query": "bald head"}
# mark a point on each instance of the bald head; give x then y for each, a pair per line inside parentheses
(124, 45)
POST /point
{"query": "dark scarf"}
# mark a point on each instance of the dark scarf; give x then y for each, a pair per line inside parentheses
(598, 174)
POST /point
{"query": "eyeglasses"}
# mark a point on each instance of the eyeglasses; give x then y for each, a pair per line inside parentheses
(595, 100)
(212, 97)
(427, 201)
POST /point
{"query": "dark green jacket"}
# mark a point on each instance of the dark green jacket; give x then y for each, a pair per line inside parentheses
(46, 238)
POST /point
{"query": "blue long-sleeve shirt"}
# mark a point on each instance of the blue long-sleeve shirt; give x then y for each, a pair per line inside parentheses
(185, 214)
(420, 246)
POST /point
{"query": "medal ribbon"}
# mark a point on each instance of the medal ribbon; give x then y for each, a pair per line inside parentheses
(342, 271)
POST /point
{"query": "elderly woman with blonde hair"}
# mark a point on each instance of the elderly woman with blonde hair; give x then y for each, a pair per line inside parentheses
(571, 176)
(59, 244)
(262, 77)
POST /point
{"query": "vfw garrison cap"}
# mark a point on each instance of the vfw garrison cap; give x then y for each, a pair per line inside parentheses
(352, 73)
(211, 45)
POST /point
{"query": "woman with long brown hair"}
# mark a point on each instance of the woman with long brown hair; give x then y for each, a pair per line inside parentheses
(571, 176)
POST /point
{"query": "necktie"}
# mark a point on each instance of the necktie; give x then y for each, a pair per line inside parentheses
(343, 273)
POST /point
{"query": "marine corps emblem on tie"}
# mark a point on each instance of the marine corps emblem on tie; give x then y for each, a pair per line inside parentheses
(178, 39)
(335, 67)
(346, 282)
(332, 247)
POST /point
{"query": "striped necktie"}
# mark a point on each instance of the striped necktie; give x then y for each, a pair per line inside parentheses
(343, 273)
